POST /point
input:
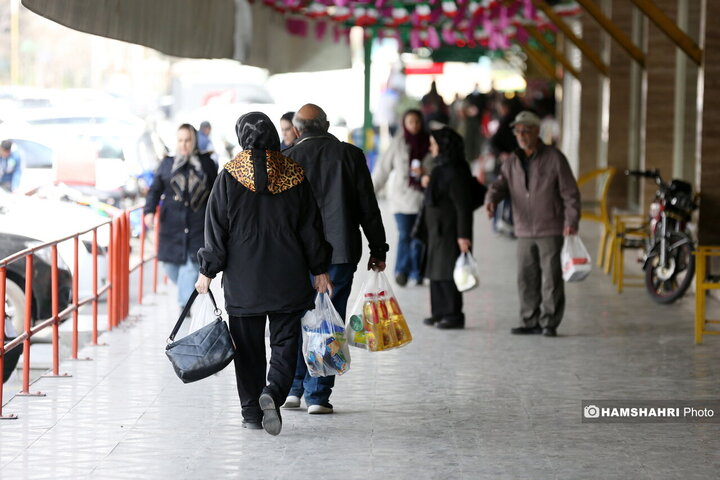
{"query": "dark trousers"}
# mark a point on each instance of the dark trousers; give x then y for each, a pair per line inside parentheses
(445, 300)
(409, 250)
(317, 390)
(540, 283)
(248, 333)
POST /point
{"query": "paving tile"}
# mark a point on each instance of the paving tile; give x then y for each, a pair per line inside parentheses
(476, 404)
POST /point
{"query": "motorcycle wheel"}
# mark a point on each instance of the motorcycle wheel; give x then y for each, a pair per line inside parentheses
(666, 285)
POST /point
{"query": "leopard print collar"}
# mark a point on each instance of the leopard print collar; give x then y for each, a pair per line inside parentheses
(282, 172)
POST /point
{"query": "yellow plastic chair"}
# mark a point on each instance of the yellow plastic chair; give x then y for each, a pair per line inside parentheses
(596, 210)
(629, 232)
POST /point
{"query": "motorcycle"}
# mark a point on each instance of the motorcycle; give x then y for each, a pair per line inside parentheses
(668, 262)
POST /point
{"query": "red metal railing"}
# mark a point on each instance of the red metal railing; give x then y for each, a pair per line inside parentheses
(116, 287)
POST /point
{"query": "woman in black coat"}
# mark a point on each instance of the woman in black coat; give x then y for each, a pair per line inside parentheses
(184, 183)
(264, 232)
(449, 223)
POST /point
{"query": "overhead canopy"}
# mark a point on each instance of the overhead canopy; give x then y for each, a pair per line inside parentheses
(252, 34)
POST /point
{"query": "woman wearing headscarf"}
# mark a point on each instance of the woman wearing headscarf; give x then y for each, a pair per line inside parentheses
(449, 223)
(264, 232)
(400, 168)
(183, 182)
(287, 134)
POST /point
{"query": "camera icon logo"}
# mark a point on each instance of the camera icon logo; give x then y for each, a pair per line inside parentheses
(591, 411)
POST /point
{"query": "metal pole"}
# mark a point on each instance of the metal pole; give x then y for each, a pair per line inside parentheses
(367, 137)
(28, 323)
(75, 298)
(14, 42)
(94, 288)
(55, 310)
(141, 272)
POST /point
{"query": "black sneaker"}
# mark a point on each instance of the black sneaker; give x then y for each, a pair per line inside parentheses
(252, 425)
(401, 279)
(272, 422)
(431, 320)
(549, 332)
(447, 324)
(527, 330)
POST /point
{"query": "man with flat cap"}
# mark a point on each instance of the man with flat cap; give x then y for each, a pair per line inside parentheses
(343, 189)
(546, 206)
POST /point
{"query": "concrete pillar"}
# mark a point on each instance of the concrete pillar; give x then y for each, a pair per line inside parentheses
(624, 107)
(660, 103)
(708, 172)
(591, 100)
(689, 12)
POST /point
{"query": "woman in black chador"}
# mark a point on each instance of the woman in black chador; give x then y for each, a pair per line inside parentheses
(448, 221)
(263, 230)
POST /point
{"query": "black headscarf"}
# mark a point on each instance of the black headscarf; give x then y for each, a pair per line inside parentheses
(256, 132)
(449, 162)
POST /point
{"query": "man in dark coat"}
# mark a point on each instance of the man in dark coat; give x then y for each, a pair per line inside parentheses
(264, 231)
(184, 183)
(546, 205)
(344, 191)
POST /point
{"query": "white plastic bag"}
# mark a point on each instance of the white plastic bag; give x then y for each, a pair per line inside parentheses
(466, 274)
(203, 313)
(324, 347)
(576, 262)
(376, 322)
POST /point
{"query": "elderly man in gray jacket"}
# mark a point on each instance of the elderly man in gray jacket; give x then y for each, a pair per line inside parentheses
(546, 206)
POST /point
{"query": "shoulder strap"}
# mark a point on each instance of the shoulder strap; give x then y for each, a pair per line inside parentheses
(186, 310)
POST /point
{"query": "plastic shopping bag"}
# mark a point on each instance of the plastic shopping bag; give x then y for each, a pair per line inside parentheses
(203, 313)
(376, 321)
(466, 274)
(576, 262)
(324, 347)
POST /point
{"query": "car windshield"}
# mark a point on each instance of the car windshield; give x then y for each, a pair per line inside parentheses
(33, 154)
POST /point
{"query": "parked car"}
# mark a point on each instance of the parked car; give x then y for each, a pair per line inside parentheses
(45, 220)
(11, 243)
(108, 157)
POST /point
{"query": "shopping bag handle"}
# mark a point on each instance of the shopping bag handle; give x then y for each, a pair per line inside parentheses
(186, 310)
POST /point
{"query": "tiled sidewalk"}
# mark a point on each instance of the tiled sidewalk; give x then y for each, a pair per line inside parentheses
(471, 404)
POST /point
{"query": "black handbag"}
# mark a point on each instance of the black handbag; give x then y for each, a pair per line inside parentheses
(203, 352)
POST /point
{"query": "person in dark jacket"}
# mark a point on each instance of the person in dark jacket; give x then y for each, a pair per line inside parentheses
(344, 191)
(449, 224)
(546, 202)
(181, 186)
(264, 232)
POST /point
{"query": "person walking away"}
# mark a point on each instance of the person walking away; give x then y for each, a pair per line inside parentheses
(181, 186)
(286, 130)
(449, 223)
(341, 183)
(546, 206)
(434, 108)
(263, 230)
(205, 144)
(399, 170)
(10, 167)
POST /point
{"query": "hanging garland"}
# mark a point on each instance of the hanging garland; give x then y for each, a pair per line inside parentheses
(461, 23)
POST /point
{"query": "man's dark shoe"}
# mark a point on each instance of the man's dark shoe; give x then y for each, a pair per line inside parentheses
(272, 422)
(447, 324)
(549, 332)
(401, 279)
(431, 320)
(252, 425)
(526, 330)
